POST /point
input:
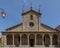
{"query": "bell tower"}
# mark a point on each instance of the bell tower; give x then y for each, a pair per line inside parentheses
(31, 20)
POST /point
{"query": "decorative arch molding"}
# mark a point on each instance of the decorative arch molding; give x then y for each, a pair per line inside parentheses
(31, 36)
(16, 39)
(46, 39)
(24, 39)
(55, 39)
(38, 39)
(31, 40)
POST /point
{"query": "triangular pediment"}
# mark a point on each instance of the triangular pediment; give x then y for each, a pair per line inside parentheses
(19, 28)
(46, 28)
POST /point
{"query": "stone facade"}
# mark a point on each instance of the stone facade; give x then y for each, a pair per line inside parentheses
(31, 33)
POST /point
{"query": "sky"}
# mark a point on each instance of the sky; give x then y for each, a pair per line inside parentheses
(50, 10)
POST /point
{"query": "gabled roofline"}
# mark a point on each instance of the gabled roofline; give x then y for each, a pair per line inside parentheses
(14, 26)
(57, 28)
(48, 27)
(38, 13)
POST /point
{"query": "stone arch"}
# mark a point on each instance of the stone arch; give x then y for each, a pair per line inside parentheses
(9, 39)
(17, 40)
(55, 39)
(39, 39)
(47, 40)
(32, 36)
(24, 39)
(31, 40)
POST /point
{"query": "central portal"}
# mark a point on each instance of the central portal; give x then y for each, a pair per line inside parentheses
(31, 40)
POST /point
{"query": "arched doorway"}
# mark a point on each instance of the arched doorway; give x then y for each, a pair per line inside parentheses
(55, 39)
(17, 40)
(24, 39)
(46, 40)
(31, 40)
(39, 39)
(9, 39)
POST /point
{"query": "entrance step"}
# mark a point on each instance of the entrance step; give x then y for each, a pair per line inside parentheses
(30, 47)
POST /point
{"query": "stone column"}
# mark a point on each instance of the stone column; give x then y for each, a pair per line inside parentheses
(2, 40)
(20, 40)
(35, 40)
(59, 39)
(28, 39)
(43, 40)
(13, 39)
(50, 40)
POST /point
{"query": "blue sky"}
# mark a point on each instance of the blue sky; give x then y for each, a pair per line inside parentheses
(50, 10)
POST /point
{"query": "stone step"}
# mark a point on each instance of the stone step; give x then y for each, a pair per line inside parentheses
(29, 47)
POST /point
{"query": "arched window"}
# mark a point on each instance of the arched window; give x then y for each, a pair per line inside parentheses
(31, 17)
(31, 40)
(47, 40)
(24, 39)
(9, 39)
(55, 39)
(17, 40)
(39, 39)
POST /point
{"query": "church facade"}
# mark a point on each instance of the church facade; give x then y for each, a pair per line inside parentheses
(31, 32)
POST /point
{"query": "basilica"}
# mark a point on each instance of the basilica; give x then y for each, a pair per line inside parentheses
(31, 32)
